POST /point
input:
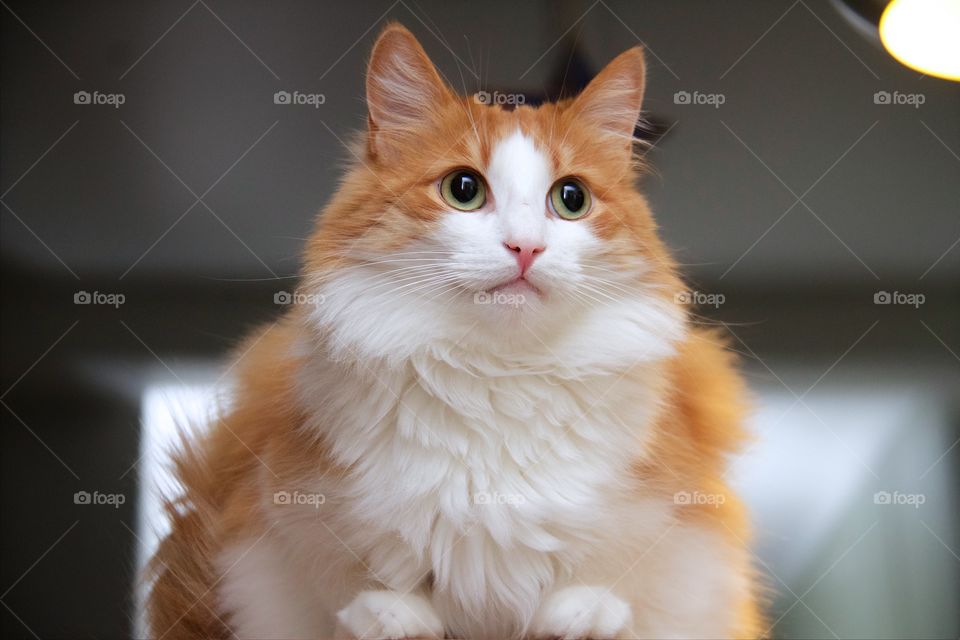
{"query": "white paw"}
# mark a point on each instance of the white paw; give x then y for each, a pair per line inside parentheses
(376, 615)
(581, 612)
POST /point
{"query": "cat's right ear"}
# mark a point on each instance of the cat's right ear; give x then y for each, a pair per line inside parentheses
(404, 90)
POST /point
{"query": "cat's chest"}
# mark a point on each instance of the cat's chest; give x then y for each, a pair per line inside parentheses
(485, 486)
(515, 460)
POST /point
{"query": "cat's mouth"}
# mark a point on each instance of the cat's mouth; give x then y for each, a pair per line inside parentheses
(519, 285)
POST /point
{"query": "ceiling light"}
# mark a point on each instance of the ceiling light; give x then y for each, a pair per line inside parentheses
(924, 35)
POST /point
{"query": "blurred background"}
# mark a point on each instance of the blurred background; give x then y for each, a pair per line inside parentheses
(156, 195)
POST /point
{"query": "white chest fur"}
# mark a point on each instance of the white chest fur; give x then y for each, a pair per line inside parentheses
(489, 486)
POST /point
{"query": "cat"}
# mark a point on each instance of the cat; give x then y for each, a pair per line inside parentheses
(488, 416)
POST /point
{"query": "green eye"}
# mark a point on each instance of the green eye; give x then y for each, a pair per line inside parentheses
(570, 199)
(463, 189)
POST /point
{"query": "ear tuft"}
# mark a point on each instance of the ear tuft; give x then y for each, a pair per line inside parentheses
(403, 88)
(612, 101)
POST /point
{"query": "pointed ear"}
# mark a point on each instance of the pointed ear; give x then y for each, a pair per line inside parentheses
(404, 90)
(611, 102)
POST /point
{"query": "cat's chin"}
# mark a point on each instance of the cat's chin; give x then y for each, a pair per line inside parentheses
(512, 298)
(518, 287)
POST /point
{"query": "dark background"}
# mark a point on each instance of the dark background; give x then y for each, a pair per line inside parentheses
(797, 200)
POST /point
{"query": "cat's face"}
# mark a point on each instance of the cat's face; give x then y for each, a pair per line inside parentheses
(466, 215)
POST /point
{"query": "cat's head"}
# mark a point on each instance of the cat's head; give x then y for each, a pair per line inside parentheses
(522, 229)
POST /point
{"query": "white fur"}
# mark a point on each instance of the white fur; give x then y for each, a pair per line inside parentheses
(390, 614)
(262, 596)
(581, 612)
(488, 446)
(520, 178)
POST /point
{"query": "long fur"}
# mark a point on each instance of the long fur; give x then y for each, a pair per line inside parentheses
(489, 467)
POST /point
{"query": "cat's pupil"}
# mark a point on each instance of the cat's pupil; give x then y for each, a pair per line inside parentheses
(572, 196)
(464, 187)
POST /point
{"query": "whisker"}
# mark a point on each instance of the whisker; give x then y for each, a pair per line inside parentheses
(399, 275)
(293, 277)
(598, 292)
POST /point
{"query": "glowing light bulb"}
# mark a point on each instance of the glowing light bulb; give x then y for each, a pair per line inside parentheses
(924, 35)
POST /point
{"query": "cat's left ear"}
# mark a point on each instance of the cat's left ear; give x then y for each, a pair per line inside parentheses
(404, 92)
(612, 101)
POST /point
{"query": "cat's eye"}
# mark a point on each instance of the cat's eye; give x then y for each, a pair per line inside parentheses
(464, 190)
(570, 199)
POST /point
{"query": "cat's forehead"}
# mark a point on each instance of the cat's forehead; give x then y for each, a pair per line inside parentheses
(521, 130)
(530, 142)
(519, 166)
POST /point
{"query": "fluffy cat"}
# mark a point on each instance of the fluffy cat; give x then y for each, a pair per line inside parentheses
(487, 417)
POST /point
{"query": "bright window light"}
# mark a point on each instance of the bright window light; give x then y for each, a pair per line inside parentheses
(165, 410)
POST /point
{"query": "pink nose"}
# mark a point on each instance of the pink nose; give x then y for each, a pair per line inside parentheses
(525, 252)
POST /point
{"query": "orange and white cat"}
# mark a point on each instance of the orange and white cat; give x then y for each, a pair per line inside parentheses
(490, 419)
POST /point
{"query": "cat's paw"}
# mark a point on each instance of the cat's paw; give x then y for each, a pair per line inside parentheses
(381, 615)
(581, 612)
